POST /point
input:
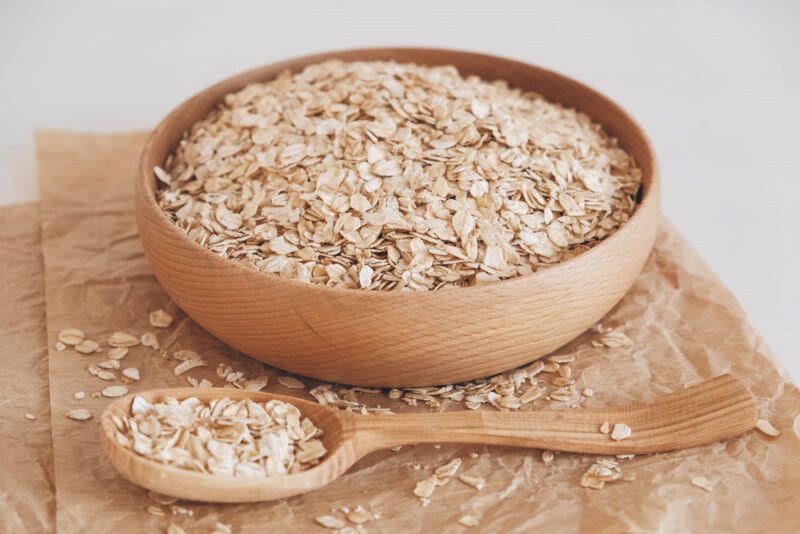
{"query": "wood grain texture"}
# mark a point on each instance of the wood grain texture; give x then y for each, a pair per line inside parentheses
(399, 338)
(715, 410)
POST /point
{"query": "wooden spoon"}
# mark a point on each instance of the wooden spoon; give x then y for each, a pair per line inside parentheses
(715, 410)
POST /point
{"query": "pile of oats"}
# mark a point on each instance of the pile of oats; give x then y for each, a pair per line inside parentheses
(378, 175)
(225, 437)
(550, 380)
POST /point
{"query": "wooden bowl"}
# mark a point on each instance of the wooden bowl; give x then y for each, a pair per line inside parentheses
(399, 338)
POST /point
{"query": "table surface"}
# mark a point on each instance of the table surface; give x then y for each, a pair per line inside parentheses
(715, 85)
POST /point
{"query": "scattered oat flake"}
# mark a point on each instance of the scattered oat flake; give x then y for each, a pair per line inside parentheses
(222, 528)
(186, 354)
(602, 471)
(358, 515)
(122, 339)
(113, 392)
(476, 482)
(256, 384)
(117, 353)
(160, 498)
(160, 319)
(71, 336)
(703, 483)
(449, 469)
(290, 382)
(468, 521)
(766, 427)
(155, 510)
(424, 488)
(188, 365)
(615, 339)
(59, 346)
(328, 521)
(87, 346)
(547, 456)
(102, 374)
(131, 372)
(173, 528)
(79, 395)
(30, 417)
(79, 414)
(181, 510)
(605, 428)
(149, 339)
(621, 431)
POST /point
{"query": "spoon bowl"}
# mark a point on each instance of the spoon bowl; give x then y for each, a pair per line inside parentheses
(715, 410)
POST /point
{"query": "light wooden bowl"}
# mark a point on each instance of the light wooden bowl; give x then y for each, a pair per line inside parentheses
(399, 338)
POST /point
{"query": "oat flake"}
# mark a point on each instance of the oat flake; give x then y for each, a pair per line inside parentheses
(79, 415)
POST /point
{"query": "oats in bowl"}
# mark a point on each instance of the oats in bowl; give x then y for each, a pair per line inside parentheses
(386, 176)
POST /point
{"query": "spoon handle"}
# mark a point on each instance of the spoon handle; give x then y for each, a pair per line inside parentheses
(715, 410)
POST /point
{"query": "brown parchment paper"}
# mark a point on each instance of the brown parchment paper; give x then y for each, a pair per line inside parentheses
(27, 488)
(685, 325)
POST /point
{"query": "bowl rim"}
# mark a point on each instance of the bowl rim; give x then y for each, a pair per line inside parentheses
(146, 185)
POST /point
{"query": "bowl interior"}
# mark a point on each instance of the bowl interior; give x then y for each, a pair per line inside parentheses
(553, 86)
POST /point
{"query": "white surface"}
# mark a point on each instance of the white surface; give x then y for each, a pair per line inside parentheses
(717, 86)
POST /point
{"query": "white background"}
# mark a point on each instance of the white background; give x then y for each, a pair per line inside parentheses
(716, 85)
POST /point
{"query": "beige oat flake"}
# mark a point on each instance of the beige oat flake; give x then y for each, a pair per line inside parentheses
(122, 339)
(290, 382)
(424, 488)
(149, 339)
(468, 521)
(79, 414)
(703, 483)
(114, 391)
(331, 522)
(476, 482)
(117, 353)
(131, 373)
(71, 336)
(621, 431)
(766, 427)
(188, 365)
(449, 469)
(87, 346)
(358, 515)
(160, 319)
